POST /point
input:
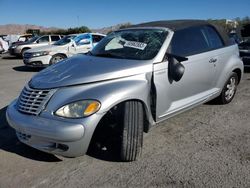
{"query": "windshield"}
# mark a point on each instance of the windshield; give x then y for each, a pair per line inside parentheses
(33, 39)
(64, 40)
(139, 44)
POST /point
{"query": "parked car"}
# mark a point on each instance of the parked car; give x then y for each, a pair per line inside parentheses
(3, 46)
(38, 41)
(133, 79)
(235, 37)
(22, 38)
(64, 48)
(16, 38)
(244, 48)
(3, 36)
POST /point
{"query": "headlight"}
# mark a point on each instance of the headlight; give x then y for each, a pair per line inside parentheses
(79, 109)
(13, 47)
(42, 53)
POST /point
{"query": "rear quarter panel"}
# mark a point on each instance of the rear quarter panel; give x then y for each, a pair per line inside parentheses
(230, 61)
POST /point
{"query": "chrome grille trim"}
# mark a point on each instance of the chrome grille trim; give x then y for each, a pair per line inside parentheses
(33, 101)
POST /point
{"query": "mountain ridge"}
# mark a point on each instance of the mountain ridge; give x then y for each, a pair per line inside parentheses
(8, 29)
(21, 28)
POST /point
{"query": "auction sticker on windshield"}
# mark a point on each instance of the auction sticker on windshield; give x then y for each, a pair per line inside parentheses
(134, 44)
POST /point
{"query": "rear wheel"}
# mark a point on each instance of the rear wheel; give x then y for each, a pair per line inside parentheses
(56, 58)
(229, 90)
(132, 131)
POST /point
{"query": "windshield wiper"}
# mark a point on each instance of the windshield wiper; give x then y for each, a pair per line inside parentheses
(107, 55)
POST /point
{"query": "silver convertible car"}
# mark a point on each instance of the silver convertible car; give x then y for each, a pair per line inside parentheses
(132, 80)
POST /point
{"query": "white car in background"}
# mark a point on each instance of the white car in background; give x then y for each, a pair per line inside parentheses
(64, 48)
(3, 45)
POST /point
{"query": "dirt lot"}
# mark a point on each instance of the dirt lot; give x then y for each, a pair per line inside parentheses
(208, 146)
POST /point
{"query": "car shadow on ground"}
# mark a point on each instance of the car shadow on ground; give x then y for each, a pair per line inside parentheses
(27, 69)
(10, 143)
(11, 57)
(105, 144)
(103, 152)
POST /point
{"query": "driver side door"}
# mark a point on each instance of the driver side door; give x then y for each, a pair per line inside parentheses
(197, 83)
(83, 44)
(80, 44)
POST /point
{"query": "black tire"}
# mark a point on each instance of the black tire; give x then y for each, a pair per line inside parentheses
(24, 50)
(132, 131)
(224, 97)
(56, 58)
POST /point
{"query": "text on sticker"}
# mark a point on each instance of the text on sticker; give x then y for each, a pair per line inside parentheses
(134, 44)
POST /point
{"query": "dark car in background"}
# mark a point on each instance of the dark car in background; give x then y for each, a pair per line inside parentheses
(244, 48)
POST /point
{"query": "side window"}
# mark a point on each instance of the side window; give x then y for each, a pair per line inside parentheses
(188, 42)
(97, 38)
(43, 39)
(213, 38)
(82, 40)
(55, 38)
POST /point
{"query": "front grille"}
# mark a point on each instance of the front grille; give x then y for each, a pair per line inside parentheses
(27, 55)
(33, 101)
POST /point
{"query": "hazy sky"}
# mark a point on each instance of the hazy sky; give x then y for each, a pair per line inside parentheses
(100, 13)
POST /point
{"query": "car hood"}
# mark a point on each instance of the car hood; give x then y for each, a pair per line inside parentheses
(83, 69)
(17, 43)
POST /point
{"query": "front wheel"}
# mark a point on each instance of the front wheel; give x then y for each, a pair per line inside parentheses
(56, 58)
(23, 51)
(229, 90)
(132, 131)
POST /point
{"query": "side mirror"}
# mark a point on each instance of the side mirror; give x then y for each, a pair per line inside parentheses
(84, 41)
(175, 69)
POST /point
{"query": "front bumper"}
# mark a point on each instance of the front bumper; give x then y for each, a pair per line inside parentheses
(40, 61)
(53, 136)
(14, 51)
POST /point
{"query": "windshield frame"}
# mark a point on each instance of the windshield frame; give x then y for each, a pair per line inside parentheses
(108, 55)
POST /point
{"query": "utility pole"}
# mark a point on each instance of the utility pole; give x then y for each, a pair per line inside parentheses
(78, 21)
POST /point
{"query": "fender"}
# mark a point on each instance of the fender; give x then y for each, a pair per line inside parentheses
(232, 64)
(108, 93)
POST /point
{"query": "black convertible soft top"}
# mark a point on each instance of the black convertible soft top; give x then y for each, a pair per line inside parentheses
(176, 25)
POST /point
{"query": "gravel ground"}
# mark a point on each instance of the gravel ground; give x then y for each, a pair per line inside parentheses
(208, 146)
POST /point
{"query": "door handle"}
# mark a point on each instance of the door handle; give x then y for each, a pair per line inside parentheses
(212, 60)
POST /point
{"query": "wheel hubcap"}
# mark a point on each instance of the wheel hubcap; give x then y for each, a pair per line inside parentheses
(231, 88)
(57, 59)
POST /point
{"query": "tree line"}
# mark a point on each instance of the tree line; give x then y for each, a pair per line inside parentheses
(82, 29)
